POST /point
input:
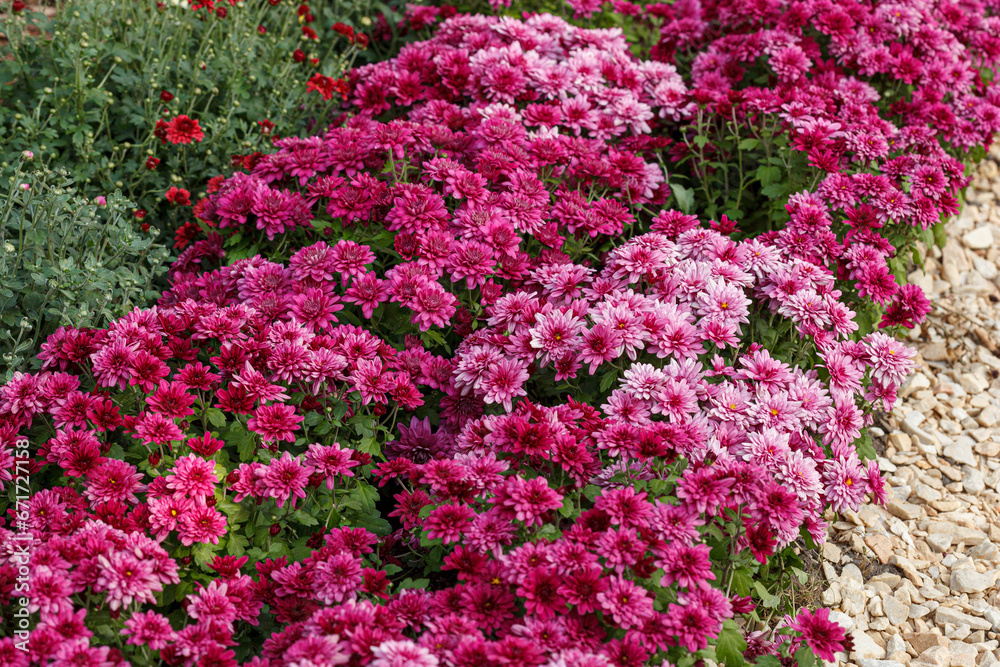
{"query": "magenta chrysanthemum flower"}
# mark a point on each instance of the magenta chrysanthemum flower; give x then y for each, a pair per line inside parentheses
(126, 579)
(337, 578)
(201, 524)
(503, 381)
(148, 629)
(527, 500)
(687, 566)
(275, 422)
(448, 522)
(193, 476)
(704, 490)
(286, 478)
(822, 635)
(114, 480)
(628, 604)
(157, 428)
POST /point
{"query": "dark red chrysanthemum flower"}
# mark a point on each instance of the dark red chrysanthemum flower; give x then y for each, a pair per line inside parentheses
(178, 196)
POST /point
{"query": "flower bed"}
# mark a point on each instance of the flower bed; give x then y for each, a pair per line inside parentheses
(474, 386)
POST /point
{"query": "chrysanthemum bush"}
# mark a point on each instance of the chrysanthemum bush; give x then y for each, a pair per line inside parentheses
(153, 97)
(217, 471)
(846, 103)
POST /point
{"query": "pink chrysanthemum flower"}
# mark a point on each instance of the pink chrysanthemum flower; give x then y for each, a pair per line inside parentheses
(126, 579)
(114, 480)
(628, 604)
(193, 476)
(331, 461)
(275, 422)
(823, 636)
(201, 524)
(211, 604)
(148, 629)
(286, 478)
(556, 333)
(448, 522)
(337, 578)
(503, 381)
(402, 653)
(846, 483)
(891, 360)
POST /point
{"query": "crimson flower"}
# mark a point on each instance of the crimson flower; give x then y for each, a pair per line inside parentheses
(152, 162)
(326, 86)
(178, 196)
(183, 130)
(343, 29)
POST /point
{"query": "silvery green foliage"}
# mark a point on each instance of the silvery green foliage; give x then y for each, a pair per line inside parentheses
(66, 260)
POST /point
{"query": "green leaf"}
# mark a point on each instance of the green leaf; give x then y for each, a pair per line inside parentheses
(414, 583)
(701, 141)
(768, 175)
(748, 144)
(608, 379)
(568, 507)
(805, 657)
(742, 581)
(237, 545)
(800, 575)
(216, 416)
(769, 601)
(775, 190)
(768, 661)
(940, 237)
(730, 645)
(865, 447)
(304, 518)
(684, 196)
(204, 553)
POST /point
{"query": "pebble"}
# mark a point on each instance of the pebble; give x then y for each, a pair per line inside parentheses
(924, 640)
(939, 542)
(979, 238)
(961, 452)
(970, 581)
(895, 611)
(907, 511)
(865, 647)
(973, 480)
(951, 615)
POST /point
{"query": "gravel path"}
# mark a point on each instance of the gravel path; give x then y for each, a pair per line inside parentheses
(918, 582)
